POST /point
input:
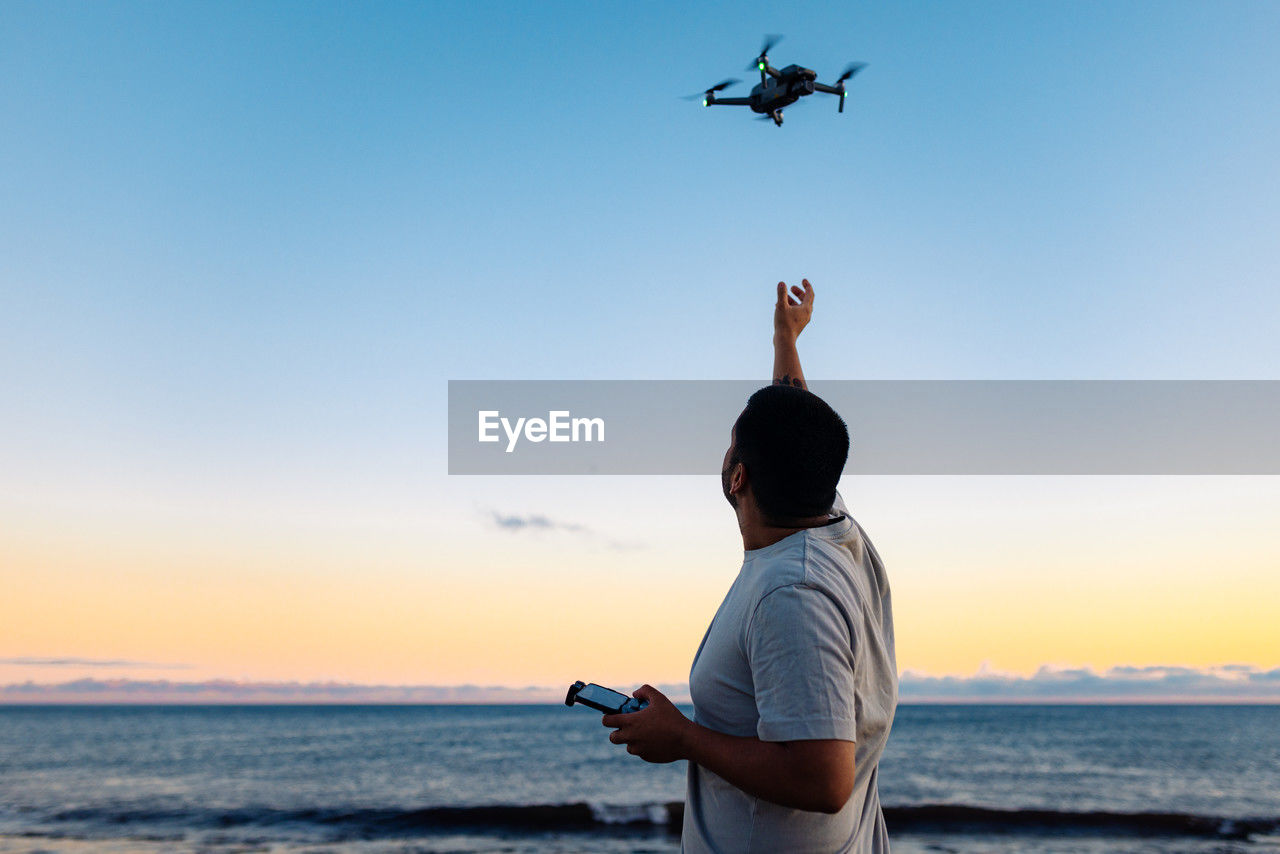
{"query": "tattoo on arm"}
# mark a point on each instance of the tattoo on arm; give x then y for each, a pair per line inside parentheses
(787, 379)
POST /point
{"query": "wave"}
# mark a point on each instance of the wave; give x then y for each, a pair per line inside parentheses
(371, 822)
(924, 818)
(961, 818)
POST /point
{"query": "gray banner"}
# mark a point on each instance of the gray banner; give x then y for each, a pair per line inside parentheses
(961, 427)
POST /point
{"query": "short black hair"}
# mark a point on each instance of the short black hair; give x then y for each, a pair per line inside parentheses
(794, 446)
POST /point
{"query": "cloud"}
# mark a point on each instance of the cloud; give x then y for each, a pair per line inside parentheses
(34, 661)
(1225, 683)
(1231, 683)
(535, 522)
(232, 691)
(538, 522)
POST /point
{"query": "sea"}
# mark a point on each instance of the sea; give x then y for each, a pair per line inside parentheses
(1157, 779)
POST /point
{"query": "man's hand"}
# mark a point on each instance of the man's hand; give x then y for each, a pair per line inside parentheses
(658, 733)
(790, 317)
(792, 312)
(803, 775)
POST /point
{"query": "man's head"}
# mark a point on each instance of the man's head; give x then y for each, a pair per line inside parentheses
(793, 447)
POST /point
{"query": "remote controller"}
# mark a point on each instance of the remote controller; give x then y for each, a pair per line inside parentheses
(603, 699)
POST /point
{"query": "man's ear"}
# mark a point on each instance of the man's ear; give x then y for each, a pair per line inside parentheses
(738, 479)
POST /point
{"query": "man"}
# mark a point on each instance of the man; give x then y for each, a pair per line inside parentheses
(795, 684)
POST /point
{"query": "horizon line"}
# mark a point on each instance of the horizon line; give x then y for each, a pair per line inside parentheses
(1225, 684)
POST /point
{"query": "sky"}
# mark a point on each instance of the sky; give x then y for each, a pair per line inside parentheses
(244, 247)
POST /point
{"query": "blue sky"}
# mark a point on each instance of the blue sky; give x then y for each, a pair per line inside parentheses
(222, 219)
(245, 245)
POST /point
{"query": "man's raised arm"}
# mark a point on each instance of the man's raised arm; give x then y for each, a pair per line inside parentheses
(790, 316)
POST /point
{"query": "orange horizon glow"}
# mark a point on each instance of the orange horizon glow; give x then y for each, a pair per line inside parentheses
(979, 578)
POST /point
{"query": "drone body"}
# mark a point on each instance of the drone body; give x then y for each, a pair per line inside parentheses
(779, 89)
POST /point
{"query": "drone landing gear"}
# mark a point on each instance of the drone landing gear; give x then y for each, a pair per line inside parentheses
(776, 115)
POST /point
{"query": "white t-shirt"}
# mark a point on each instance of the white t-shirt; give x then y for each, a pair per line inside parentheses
(801, 648)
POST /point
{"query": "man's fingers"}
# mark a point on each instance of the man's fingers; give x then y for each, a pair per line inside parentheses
(797, 297)
(615, 736)
(646, 692)
(632, 749)
(611, 720)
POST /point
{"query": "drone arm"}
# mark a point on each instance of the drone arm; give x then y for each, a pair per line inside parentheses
(730, 102)
(766, 68)
(834, 90)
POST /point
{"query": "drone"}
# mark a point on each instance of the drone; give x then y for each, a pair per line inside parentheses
(778, 89)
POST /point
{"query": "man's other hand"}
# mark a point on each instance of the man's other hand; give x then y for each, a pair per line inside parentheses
(657, 733)
(792, 312)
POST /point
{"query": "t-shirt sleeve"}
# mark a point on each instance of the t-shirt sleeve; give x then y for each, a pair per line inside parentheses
(802, 666)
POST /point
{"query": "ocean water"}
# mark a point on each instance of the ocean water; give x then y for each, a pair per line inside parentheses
(541, 779)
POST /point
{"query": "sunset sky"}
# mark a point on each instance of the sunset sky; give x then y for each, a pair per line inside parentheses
(245, 247)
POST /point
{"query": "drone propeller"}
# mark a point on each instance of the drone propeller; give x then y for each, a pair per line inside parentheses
(762, 61)
(706, 94)
(850, 70)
